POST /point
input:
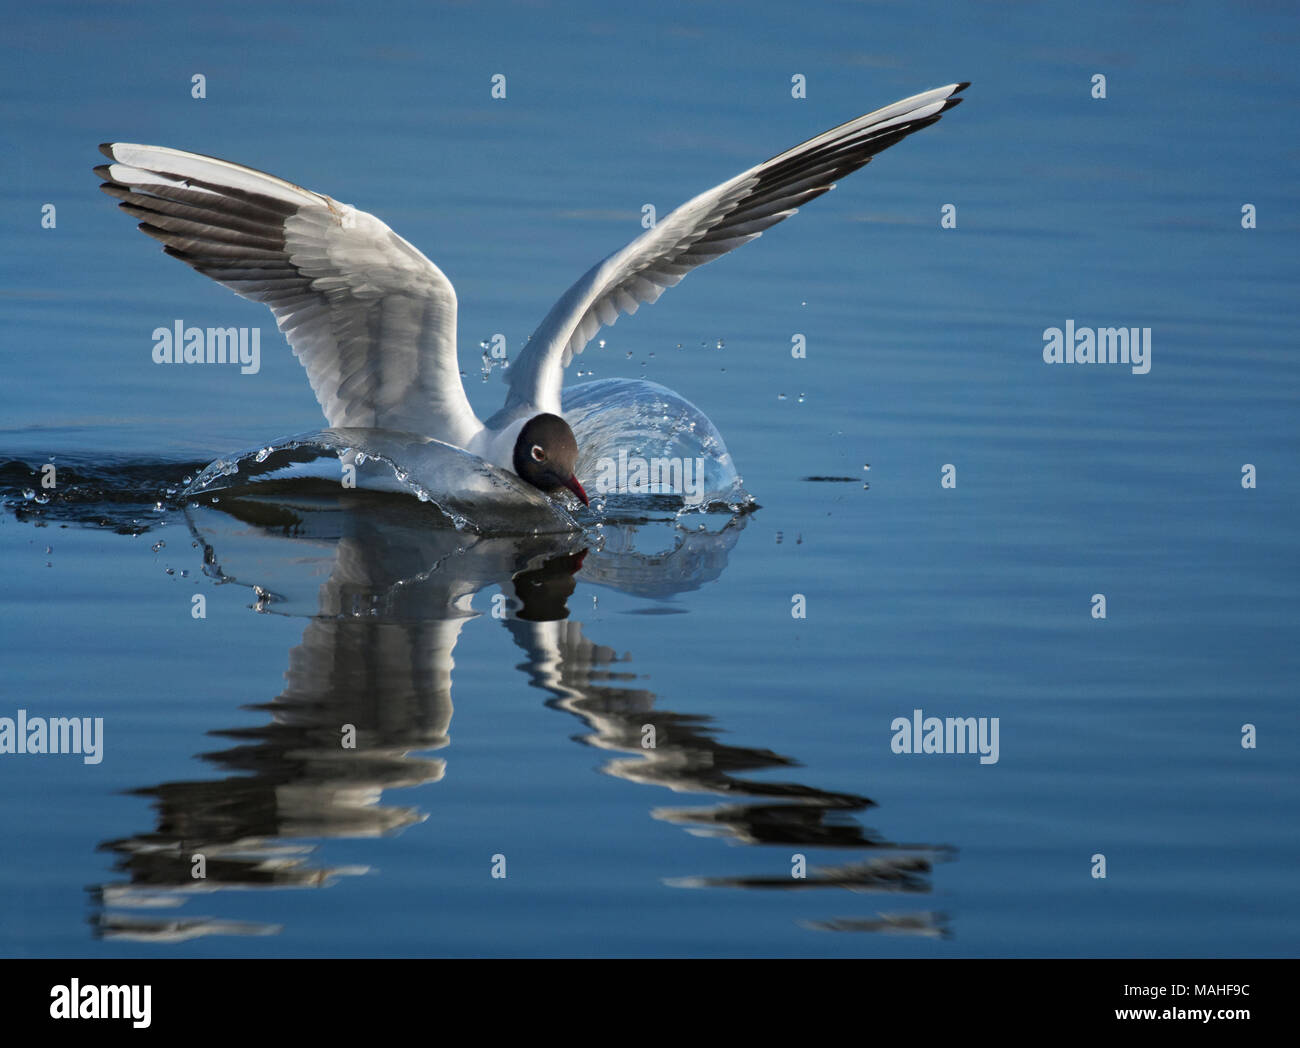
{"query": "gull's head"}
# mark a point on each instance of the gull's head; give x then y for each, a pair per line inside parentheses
(546, 453)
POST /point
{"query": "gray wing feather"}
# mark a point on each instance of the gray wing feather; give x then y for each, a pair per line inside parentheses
(371, 319)
(705, 228)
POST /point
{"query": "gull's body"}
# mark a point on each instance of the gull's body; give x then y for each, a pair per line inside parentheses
(374, 322)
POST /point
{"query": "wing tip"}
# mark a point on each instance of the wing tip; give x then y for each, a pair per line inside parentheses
(171, 249)
(952, 100)
(150, 230)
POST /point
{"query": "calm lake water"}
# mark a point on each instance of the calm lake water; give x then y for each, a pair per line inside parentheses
(503, 690)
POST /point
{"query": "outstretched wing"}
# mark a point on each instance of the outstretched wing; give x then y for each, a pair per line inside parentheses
(372, 320)
(703, 229)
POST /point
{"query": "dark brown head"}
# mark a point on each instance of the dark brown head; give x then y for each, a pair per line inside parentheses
(546, 454)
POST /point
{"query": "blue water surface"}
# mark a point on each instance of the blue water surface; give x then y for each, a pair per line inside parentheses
(502, 690)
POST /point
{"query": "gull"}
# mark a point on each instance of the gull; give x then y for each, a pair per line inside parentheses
(373, 321)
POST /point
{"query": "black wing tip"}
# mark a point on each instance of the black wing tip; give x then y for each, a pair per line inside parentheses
(103, 172)
(952, 99)
(116, 190)
(150, 230)
(107, 149)
(187, 257)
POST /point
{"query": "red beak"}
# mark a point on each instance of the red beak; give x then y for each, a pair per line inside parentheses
(573, 485)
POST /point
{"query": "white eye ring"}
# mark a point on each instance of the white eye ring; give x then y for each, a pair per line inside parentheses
(538, 454)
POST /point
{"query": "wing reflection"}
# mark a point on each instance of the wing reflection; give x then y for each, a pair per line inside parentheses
(367, 706)
(680, 751)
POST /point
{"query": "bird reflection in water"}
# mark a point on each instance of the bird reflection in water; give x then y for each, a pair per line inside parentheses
(386, 595)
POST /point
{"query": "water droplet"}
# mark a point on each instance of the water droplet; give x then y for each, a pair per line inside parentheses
(28, 494)
(42, 499)
(185, 573)
(160, 544)
(721, 344)
(170, 571)
(601, 343)
(780, 396)
(801, 396)
(261, 455)
(49, 550)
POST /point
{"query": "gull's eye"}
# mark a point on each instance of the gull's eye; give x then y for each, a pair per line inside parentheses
(538, 454)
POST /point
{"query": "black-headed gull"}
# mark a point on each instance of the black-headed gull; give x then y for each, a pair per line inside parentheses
(374, 322)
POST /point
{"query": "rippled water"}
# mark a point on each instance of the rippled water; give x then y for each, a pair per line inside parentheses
(335, 692)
